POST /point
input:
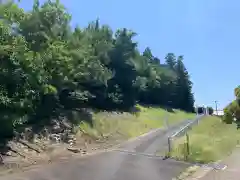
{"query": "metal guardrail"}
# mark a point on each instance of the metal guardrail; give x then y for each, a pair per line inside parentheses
(182, 131)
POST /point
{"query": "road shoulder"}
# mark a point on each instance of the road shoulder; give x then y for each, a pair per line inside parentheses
(230, 171)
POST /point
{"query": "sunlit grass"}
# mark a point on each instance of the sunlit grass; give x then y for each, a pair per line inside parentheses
(129, 125)
(210, 141)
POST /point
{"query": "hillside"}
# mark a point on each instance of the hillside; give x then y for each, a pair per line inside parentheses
(132, 125)
(105, 130)
(57, 80)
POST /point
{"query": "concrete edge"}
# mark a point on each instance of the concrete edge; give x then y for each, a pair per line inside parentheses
(194, 172)
(198, 172)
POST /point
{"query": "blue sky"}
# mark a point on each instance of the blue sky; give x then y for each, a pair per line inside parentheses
(206, 32)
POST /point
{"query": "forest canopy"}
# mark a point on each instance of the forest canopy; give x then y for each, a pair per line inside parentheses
(48, 67)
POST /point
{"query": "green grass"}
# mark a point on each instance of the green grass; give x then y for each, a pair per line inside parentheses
(129, 125)
(210, 141)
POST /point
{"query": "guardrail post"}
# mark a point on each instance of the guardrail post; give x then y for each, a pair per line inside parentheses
(183, 132)
(169, 146)
(188, 148)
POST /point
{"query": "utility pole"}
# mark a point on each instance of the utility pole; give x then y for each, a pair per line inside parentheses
(216, 108)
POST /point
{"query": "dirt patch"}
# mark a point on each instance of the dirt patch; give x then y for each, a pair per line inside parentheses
(21, 157)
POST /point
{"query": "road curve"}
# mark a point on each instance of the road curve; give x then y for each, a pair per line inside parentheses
(133, 160)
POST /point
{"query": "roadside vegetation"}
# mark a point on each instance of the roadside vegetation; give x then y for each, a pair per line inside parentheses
(126, 125)
(232, 110)
(209, 141)
(55, 75)
(61, 84)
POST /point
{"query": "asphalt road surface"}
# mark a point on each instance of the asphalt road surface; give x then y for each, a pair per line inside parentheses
(134, 160)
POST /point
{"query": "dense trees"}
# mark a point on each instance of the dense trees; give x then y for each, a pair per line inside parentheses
(210, 110)
(201, 110)
(47, 67)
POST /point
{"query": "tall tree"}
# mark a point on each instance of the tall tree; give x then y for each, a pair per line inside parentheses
(170, 60)
(122, 65)
(185, 99)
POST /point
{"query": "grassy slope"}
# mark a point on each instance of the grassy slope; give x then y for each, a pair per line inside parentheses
(116, 127)
(210, 141)
(129, 125)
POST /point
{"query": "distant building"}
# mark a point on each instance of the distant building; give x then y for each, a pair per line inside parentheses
(219, 112)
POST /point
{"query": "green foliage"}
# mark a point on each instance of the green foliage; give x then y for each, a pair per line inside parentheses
(47, 67)
(200, 110)
(210, 110)
(232, 110)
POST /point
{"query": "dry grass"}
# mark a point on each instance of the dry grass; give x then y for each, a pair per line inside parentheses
(110, 127)
(129, 125)
(210, 141)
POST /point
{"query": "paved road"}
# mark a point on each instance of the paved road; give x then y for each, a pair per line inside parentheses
(133, 160)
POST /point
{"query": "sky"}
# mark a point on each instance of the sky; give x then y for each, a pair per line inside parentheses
(206, 32)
